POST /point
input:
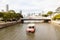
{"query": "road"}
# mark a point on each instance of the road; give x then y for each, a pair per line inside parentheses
(44, 31)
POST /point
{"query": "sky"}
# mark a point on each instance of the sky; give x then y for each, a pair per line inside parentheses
(30, 6)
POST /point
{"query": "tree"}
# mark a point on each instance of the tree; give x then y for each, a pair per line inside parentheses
(1, 14)
(18, 16)
(11, 15)
(56, 17)
(45, 15)
(5, 17)
(49, 12)
(11, 11)
(58, 10)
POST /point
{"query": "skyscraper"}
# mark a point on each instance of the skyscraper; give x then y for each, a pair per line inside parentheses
(21, 11)
(7, 7)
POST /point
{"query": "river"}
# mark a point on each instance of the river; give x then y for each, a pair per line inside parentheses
(44, 31)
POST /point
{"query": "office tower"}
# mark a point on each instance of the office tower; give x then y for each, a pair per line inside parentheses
(21, 11)
(7, 7)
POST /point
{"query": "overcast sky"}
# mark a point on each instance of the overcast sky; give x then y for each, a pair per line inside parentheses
(30, 5)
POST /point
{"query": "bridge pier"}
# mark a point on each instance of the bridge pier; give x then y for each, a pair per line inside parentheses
(47, 21)
(22, 21)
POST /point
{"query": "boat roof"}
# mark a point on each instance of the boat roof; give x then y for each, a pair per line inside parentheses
(31, 24)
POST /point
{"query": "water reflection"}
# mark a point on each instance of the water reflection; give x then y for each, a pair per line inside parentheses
(44, 31)
(57, 29)
(30, 36)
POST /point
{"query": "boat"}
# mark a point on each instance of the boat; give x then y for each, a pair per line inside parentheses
(30, 28)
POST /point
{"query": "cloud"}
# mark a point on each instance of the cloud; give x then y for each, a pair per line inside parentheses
(30, 5)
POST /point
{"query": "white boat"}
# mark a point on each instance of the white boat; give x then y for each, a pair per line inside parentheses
(30, 28)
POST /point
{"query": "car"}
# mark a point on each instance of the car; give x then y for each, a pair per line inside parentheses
(31, 28)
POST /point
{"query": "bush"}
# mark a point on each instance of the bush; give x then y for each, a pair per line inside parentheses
(11, 16)
(45, 15)
(56, 17)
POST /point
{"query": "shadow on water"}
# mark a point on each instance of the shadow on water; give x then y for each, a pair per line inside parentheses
(30, 36)
(57, 29)
(12, 28)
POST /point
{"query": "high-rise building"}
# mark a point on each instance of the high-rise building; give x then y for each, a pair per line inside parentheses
(7, 7)
(21, 11)
(2, 10)
(58, 10)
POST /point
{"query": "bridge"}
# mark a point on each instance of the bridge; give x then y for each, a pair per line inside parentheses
(34, 19)
(45, 20)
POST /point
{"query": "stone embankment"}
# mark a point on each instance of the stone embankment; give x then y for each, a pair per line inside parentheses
(56, 23)
(6, 24)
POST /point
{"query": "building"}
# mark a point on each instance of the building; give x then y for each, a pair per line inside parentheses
(7, 7)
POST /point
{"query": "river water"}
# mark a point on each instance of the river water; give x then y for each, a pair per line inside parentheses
(44, 31)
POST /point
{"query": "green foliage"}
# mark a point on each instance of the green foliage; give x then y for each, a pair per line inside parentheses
(11, 11)
(49, 12)
(10, 16)
(56, 17)
(45, 15)
(20, 15)
(1, 14)
(5, 17)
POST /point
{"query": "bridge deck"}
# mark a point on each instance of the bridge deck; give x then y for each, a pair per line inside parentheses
(35, 19)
